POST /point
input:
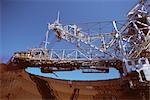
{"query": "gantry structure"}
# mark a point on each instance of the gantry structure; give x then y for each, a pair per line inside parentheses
(124, 45)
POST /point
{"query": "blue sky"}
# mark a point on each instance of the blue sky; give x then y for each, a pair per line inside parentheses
(77, 74)
(24, 22)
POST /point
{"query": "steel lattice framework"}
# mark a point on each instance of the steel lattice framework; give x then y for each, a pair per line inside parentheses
(128, 41)
(94, 50)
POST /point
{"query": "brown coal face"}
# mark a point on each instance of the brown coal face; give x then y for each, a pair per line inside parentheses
(20, 85)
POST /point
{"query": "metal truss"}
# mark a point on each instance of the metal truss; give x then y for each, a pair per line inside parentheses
(126, 41)
(72, 54)
(94, 50)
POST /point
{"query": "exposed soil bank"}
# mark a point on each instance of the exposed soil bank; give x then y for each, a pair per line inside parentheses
(16, 84)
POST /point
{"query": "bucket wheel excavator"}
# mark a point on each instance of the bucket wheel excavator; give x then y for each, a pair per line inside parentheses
(126, 47)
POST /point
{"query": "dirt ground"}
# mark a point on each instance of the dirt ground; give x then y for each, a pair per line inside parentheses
(17, 84)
